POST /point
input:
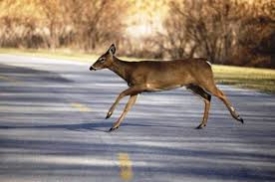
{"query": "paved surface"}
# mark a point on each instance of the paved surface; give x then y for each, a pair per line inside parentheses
(52, 128)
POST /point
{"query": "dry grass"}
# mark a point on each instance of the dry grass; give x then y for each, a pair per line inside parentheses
(254, 78)
(60, 54)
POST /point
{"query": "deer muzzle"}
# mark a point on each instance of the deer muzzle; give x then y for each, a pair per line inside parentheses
(92, 68)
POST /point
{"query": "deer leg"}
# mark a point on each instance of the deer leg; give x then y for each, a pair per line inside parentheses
(218, 93)
(207, 101)
(229, 106)
(127, 108)
(112, 108)
(130, 91)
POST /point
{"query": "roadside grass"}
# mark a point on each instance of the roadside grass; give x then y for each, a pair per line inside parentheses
(66, 54)
(253, 78)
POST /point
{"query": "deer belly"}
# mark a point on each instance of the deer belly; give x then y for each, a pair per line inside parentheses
(159, 87)
(166, 81)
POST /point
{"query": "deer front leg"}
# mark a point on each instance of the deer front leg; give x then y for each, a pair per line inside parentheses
(127, 108)
(130, 91)
(112, 108)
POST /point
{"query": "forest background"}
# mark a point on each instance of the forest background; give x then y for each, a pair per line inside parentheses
(227, 32)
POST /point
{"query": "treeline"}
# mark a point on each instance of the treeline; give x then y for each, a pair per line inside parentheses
(232, 32)
(52, 24)
(224, 31)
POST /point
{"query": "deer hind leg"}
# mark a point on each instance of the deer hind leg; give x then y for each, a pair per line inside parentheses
(207, 101)
(218, 93)
(127, 108)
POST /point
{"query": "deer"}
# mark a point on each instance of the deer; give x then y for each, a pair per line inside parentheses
(152, 76)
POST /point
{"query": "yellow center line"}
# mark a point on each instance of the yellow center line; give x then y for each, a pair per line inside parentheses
(81, 107)
(6, 78)
(125, 165)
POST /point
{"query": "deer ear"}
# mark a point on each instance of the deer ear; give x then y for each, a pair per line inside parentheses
(112, 49)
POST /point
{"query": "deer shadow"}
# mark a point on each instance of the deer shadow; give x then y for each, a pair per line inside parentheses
(78, 126)
(99, 126)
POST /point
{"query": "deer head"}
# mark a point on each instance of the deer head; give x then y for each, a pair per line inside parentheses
(105, 60)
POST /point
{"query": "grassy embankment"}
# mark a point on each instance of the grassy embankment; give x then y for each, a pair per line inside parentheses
(254, 78)
(259, 79)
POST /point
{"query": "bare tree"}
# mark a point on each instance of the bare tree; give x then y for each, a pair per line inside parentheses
(175, 40)
(256, 38)
(86, 24)
(97, 21)
(224, 31)
(206, 28)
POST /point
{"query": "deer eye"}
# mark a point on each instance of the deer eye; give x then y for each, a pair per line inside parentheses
(101, 60)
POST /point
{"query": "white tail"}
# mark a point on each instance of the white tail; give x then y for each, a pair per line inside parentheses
(151, 76)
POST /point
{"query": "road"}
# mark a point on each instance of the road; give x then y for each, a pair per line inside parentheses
(52, 128)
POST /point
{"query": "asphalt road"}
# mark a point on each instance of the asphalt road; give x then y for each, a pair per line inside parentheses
(52, 128)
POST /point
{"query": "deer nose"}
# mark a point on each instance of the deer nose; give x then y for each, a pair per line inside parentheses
(92, 68)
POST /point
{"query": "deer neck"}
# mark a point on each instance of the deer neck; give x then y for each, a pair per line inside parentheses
(121, 68)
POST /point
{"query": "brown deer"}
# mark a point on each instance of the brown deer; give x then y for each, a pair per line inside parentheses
(152, 76)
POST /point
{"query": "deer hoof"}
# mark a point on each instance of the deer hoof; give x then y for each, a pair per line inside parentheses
(201, 126)
(109, 114)
(113, 128)
(241, 120)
